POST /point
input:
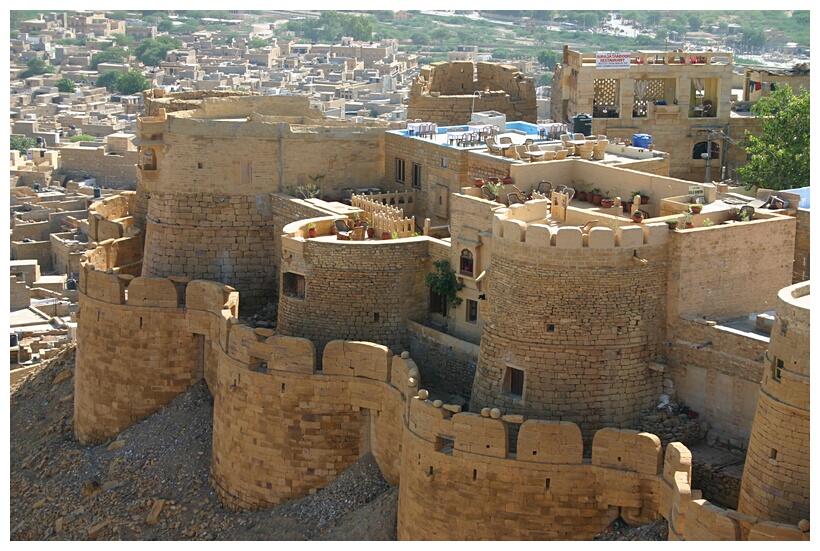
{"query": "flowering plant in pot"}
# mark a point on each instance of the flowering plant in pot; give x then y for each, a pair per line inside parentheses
(311, 230)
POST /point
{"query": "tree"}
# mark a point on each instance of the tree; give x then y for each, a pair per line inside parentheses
(152, 51)
(549, 58)
(108, 80)
(165, 26)
(21, 144)
(82, 138)
(122, 39)
(420, 38)
(131, 83)
(780, 153)
(695, 22)
(36, 66)
(111, 55)
(65, 84)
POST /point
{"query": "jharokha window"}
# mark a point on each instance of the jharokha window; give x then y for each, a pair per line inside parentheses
(466, 265)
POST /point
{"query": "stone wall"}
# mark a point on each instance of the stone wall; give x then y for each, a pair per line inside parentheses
(18, 294)
(364, 290)
(776, 476)
(150, 329)
(597, 313)
(283, 430)
(444, 92)
(717, 271)
(802, 247)
(445, 362)
(35, 250)
(720, 380)
(111, 170)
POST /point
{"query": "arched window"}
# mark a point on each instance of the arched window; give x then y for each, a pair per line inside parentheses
(466, 264)
(700, 149)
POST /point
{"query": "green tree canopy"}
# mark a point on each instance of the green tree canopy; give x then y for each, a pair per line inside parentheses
(82, 138)
(780, 154)
(131, 83)
(36, 66)
(549, 58)
(111, 55)
(123, 39)
(165, 26)
(108, 80)
(151, 51)
(65, 84)
(21, 143)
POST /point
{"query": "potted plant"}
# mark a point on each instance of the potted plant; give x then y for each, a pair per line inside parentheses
(638, 216)
(673, 224)
(607, 202)
(356, 221)
(478, 182)
(371, 231)
(644, 196)
(582, 195)
(708, 223)
(494, 187)
(688, 221)
(507, 179)
(385, 235)
(695, 208)
(311, 230)
(596, 196)
(333, 229)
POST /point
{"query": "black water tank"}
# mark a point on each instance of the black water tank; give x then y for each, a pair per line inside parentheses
(14, 340)
(582, 123)
(71, 285)
(37, 188)
(97, 193)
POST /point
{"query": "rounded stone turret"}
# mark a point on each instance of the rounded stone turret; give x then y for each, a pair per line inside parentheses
(572, 323)
(775, 484)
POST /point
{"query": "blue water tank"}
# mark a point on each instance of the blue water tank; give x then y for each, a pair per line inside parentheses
(36, 188)
(641, 140)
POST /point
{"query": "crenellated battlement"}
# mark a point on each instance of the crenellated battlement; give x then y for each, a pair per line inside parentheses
(526, 224)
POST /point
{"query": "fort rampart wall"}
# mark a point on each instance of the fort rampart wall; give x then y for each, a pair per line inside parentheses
(282, 429)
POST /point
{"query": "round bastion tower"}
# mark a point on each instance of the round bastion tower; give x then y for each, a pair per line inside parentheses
(572, 323)
(775, 484)
(207, 216)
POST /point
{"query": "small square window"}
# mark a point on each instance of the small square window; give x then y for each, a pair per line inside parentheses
(550, 327)
(199, 165)
(773, 455)
(293, 285)
(514, 382)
